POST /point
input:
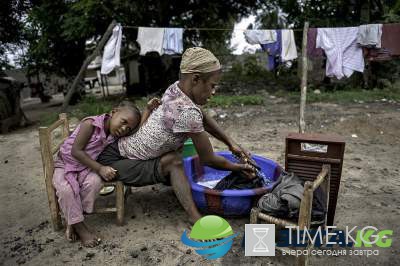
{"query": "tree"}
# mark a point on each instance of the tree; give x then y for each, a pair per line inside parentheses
(11, 26)
(336, 13)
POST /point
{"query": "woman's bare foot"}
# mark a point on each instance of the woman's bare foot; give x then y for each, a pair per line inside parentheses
(70, 234)
(88, 239)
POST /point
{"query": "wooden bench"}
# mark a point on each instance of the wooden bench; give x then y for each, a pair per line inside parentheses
(48, 150)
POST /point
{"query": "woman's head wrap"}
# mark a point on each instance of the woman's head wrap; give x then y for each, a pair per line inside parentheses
(199, 60)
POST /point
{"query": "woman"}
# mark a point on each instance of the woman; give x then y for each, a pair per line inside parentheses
(150, 155)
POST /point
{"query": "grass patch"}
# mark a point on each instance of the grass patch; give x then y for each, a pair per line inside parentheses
(345, 96)
(48, 119)
(90, 105)
(235, 100)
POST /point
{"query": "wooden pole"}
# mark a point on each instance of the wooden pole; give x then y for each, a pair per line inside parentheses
(85, 64)
(303, 86)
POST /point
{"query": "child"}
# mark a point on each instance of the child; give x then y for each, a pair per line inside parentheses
(77, 175)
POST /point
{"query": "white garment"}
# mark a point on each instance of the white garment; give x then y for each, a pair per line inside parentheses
(150, 40)
(370, 35)
(289, 51)
(111, 54)
(173, 41)
(260, 36)
(344, 55)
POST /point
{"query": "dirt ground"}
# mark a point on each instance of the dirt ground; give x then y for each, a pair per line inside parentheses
(369, 192)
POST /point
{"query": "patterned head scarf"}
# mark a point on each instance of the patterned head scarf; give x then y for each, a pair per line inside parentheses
(199, 60)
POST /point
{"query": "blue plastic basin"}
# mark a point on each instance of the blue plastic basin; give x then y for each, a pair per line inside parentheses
(228, 202)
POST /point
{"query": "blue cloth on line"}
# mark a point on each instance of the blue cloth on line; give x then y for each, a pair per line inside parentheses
(274, 50)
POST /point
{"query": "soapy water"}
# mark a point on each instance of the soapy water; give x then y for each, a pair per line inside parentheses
(209, 183)
(214, 178)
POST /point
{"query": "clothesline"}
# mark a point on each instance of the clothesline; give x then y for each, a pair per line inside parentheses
(225, 29)
(208, 29)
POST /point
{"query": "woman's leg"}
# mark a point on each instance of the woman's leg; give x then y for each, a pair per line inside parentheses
(171, 164)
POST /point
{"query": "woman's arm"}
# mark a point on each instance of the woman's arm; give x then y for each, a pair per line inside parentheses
(209, 158)
(212, 127)
(78, 152)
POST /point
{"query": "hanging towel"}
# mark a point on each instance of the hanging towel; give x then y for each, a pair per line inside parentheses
(344, 55)
(111, 54)
(391, 38)
(260, 36)
(313, 51)
(370, 35)
(173, 41)
(150, 40)
(289, 51)
(274, 51)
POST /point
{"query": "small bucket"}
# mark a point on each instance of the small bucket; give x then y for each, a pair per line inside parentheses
(188, 149)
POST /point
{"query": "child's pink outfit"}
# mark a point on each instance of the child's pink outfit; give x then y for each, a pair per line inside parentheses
(77, 186)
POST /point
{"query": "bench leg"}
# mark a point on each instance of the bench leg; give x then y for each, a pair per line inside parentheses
(254, 215)
(55, 213)
(120, 202)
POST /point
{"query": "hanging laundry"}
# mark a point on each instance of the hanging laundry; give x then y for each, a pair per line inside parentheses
(391, 38)
(312, 50)
(274, 51)
(288, 51)
(370, 35)
(150, 40)
(344, 55)
(389, 44)
(173, 41)
(260, 36)
(111, 54)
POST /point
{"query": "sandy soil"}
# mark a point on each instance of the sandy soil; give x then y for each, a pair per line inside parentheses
(369, 192)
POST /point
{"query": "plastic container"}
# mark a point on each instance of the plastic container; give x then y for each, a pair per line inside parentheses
(228, 202)
(188, 149)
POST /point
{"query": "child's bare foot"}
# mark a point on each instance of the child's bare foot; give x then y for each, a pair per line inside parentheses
(70, 234)
(88, 239)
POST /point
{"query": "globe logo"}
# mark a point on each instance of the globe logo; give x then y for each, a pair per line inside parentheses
(211, 236)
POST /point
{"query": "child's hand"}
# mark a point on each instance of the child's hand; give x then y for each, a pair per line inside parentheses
(153, 104)
(107, 172)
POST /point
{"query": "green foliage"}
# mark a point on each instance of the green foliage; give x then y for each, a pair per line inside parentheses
(57, 29)
(49, 50)
(93, 106)
(11, 26)
(89, 106)
(247, 71)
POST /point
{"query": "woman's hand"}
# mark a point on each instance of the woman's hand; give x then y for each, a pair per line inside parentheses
(107, 173)
(240, 152)
(248, 170)
(153, 104)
